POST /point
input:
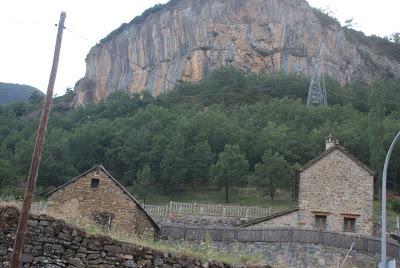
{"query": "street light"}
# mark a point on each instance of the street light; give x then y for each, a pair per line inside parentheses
(383, 228)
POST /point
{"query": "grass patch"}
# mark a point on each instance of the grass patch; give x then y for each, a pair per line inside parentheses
(391, 215)
(203, 250)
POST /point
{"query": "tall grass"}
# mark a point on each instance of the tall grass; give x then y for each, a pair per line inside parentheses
(201, 250)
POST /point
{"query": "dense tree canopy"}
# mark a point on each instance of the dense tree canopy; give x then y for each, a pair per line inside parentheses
(171, 141)
(13, 93)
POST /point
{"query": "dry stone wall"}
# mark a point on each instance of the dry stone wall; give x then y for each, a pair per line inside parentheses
(296, 255)
(53, 243)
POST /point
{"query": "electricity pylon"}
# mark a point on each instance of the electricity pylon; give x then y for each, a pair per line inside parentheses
(317, 89)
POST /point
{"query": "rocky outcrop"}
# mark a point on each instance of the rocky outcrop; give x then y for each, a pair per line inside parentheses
(184, 39)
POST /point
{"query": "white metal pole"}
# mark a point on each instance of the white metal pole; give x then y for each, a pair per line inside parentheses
(383, 228)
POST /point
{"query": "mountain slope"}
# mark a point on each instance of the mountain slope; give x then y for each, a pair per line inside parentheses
(10, 93)
(184, 40)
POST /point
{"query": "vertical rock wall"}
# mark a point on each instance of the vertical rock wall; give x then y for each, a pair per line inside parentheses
(185, 39)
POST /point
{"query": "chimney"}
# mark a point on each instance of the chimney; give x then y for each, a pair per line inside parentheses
(330, 142)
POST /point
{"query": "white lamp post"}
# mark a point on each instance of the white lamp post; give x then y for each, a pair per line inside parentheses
(383, 229)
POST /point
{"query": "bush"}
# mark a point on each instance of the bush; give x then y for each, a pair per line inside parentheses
(395, 205)
(324, 18)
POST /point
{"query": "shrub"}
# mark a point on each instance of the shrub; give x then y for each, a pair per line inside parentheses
(395, 205)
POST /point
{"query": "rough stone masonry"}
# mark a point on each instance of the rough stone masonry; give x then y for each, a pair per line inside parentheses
(108, 201)
(52, 243)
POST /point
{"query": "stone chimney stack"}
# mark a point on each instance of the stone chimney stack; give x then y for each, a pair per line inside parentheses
(330, 142)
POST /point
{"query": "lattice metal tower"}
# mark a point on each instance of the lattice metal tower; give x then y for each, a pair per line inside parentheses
(317, 89)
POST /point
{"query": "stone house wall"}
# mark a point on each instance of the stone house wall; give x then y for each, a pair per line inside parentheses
(336, 186)
(79, 201)
(287, 220)
(53, 243)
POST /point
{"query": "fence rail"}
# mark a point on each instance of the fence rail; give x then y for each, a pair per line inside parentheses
(340, 240)
(207, 210)
(366, 244)
(179, 208)
(36, 207)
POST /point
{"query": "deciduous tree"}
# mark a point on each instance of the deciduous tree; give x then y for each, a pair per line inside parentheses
(273, 173)
(230, 169)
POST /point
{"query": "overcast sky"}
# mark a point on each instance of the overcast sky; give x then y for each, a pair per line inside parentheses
(28, 32)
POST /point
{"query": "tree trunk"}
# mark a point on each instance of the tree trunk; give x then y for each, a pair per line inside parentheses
(272, 194)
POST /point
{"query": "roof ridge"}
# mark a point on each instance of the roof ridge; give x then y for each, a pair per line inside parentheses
(344, 151)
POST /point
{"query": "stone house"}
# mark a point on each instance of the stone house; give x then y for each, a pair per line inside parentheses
(96, 197)
(334, 191)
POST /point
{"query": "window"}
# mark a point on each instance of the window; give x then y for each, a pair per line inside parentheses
(94, 183)
(320, 222)
(349, 225)
(103, 219)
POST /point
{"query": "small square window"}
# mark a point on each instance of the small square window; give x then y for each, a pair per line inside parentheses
(349, 225)
(95, 183)
(320, 222)
(102, 219)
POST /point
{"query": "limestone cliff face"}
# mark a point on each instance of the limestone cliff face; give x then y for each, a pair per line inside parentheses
(185, 39)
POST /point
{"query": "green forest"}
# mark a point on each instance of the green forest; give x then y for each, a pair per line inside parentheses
(227, 131)
(11, 93)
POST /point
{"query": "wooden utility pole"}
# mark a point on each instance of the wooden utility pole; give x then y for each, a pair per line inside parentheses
(37, 153)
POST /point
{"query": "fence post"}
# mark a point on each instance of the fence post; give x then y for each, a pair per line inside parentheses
(320, 240)
(291, 235)
(247, 213)
(398, 251)
(365, 244)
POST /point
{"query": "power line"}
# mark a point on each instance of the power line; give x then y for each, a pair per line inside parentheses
(116, 55)
(265, 90)
(142, 67)
(248, 92)
(209, 82)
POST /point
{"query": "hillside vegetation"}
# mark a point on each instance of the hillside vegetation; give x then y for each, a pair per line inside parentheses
(12, 93)
(229, 130)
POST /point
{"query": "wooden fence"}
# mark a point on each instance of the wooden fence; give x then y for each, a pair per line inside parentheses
(36, 208)
(179, 208)
(366, 244)
(207, 210)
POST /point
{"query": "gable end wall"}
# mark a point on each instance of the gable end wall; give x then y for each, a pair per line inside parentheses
(78, 201)
(336, 185)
